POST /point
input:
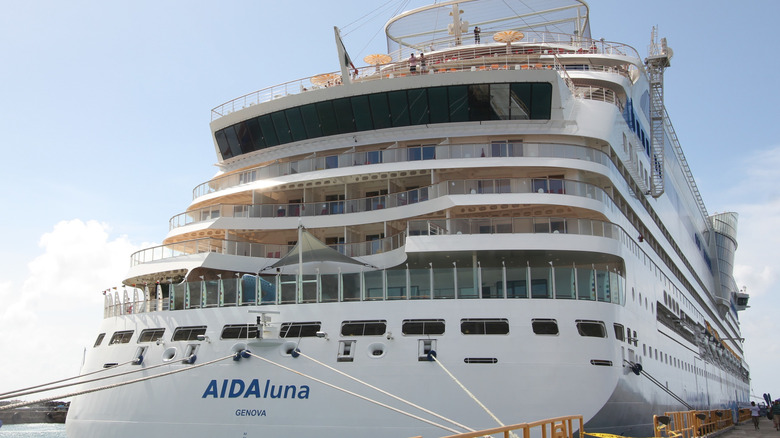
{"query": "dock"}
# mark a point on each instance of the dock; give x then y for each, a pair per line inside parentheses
(746, 430)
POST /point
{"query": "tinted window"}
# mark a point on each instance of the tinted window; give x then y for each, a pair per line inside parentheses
(545, 326)
(269, 132)
(459, 103)
(362, 113)
(99, 339)
(282, 128)
(188, 333)
(363, 328)
(380, 111)
(438, 105)
(311, 121)
(423, 327)
(151, 335)
(122, 337)
(399, 107)
(239, 331)
(297, 129)
(497, 326)
(299, 329)
(418, 106)
(619, 332)
(593, 329)
(328, 122)
(344, 118)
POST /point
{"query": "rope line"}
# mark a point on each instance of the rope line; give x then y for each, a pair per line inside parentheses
(7, 395)
(473, 397)
(357, 395)
(427, 411)
(114, 385)
(94, 380)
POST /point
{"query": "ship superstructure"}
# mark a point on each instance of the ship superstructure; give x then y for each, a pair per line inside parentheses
(511, 208)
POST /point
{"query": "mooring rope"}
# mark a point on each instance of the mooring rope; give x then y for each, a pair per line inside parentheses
(10, 394)
(18, 393)
(427, 411)
(113, 385)
(432, 355)
(408, 414)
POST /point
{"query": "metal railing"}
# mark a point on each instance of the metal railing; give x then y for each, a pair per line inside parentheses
(690, 424)
(441, 152)
(444, 57)
(399, 199)
(559, 427)
(249, 249)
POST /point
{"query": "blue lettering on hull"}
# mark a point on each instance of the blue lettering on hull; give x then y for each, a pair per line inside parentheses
(238, 388)
(250, 412)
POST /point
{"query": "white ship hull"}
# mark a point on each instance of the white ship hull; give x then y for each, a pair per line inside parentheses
(539, 231)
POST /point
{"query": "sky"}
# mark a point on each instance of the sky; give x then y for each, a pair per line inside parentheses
(105, 112)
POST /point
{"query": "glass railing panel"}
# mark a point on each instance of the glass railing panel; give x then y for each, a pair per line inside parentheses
(492, 283)
(565, 283)
(602, 286)
(467, 282)
(420, 284)
(351, 286)
(374, 282)
(329, 288)
(443, 283)
(541, 282)
(396, 284)
(268, 286)
(212, 293)
(586, 284)
(288, 289)
(309, 294)
(230, 292)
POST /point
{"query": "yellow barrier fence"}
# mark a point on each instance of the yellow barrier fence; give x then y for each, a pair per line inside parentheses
(558, 427)
(690, 424)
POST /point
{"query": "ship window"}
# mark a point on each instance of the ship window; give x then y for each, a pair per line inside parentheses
(297, 128)
(544, 326)
(232, 140)
(151, 335)
(239, 331)
(619, 333)
(593, 329)
(459, 103)
(480, 360)
(244, 138)
(188, 333)
(311, 121)
(479, 103)
(99, 339)
(327, 117)
(122, 337)
(299, 329)
(399, 107)
(492, 326)
(437, 105)
(269, 132)
(343, 110)
(418, 106)
(380, 111)
(257, 134)
(362, 113)
(363, 328)
(423, 327)
(224, 148)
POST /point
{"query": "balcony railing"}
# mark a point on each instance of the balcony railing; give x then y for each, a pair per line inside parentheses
(443, 56)
(329, 208)
(435, 152)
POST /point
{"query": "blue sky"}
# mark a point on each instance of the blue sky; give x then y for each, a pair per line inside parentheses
(105, 112)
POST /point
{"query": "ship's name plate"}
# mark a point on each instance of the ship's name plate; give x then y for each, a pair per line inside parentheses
(255, 388)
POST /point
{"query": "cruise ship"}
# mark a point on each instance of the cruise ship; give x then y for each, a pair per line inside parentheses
(471, 229)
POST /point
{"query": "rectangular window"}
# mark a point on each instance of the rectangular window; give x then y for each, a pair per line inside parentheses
(99, 339)
(363, 328)
(423, 327)
(479, 103)
(269, 132)
(122, 337)
(239, 331)
(418, 106)
(541, 101)
(244, 138)
(295, 121)
(310, 121)
(362, 113)
(399, 107)
(499, 101)
(620, 332)
(459, 103)
(222, 143)
(594, 329)
(188, 333)
(344, 118)
(438, 105)
(232, 140)
(151, 335)
(327, 116)
(380, 111)
(492, 326)
(257, 134)
(544, 326)
(299, 329)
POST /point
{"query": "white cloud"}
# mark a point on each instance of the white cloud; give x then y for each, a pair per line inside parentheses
(49, 317)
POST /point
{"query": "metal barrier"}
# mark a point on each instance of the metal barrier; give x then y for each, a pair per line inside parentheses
(689, 424)
(559, 427)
